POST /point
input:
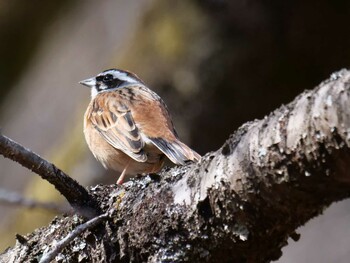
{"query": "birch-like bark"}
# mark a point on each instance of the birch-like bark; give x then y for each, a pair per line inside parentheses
(239, 204)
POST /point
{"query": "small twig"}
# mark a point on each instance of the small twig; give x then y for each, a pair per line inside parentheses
(12, 198)
(59, 246)
(77, 196)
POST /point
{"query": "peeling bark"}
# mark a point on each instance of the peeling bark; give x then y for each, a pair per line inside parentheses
(239, 204)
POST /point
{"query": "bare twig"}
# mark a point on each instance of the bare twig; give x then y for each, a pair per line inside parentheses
(12, 198)
(76, 195)
(59, 246)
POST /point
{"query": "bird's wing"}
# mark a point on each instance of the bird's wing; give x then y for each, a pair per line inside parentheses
(155, 125)
(114, 121)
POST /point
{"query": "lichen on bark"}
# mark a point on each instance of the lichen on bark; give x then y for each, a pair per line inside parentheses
(238, 204)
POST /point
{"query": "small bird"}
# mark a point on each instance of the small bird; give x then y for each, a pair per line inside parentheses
(128, 127)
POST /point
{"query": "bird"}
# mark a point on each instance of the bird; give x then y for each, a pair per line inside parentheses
(128, 127)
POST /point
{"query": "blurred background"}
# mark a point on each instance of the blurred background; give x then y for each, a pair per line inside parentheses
(216, 63)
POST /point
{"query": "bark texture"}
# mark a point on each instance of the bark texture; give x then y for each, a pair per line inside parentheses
(239, 204)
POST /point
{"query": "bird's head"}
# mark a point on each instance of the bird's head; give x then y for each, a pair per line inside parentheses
(111, 79)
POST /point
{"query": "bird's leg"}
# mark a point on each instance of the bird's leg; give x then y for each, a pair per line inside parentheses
(121, 177)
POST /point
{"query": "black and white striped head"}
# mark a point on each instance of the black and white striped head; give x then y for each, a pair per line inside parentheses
(110, 79)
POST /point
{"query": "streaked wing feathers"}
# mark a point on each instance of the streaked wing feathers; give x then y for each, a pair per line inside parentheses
(114, 114)
(115, 123)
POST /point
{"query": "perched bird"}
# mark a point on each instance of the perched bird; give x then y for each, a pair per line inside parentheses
(128, 127)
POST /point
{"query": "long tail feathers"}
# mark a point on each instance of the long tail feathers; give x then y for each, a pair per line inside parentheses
(177, 151)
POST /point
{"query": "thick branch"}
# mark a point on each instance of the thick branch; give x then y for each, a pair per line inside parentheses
(75, 194)
(239, 204)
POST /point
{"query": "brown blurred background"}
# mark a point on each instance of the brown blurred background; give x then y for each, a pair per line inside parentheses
(216, 63)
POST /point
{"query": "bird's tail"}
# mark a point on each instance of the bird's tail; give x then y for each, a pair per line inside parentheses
(176, 151)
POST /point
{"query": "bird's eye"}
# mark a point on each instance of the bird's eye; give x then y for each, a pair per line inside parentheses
(107, 78)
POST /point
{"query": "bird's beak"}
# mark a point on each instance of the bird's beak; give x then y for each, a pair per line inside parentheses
(88, 82)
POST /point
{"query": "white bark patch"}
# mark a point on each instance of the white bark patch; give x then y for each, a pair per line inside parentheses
(182, 193)
(297, 124)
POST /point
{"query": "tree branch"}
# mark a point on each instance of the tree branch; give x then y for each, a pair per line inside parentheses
(239, 204)
(76, 195)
